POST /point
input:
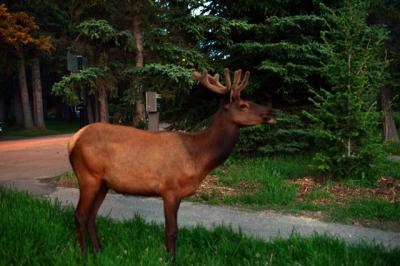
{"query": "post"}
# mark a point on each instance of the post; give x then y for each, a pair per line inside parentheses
(76, 63)
(152, 110)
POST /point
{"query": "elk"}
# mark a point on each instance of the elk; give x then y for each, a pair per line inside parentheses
(167, 164)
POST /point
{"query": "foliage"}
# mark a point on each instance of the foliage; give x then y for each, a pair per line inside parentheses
(90, 80)
(171, 81)
(102, 33)
(281, 49)
(387, 12)
(280, 42)
(345, 119)
(163, 78)
(289, 135)
(17, 28)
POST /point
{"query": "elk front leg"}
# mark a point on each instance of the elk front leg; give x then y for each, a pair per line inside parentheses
(171, 205)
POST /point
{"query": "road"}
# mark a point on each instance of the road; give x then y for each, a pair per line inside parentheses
(24, 162)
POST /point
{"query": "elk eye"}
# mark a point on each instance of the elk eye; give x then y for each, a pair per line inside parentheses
(243, 106)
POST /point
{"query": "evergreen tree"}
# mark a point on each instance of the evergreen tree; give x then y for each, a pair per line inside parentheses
(345, 118)
(95, 39)
(17, 30)
(388, 13)
(171, 53)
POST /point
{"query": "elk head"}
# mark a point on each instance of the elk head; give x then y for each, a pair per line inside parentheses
(239, 111)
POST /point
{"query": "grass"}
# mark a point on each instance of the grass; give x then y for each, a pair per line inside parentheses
(38, 232)
(67, 179)
(393, 148)
(261, 180)
(286, 166)
(371, 209)
(391, 168)
(53, 127)
(263, 183)
(318, 194)
(271, 191)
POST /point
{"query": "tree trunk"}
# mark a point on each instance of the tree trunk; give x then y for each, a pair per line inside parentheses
(2, 108)
(38, 117)
(24, 93)
(89, 111)
(19, 117)
(107, 110)
(96, 110)
(389, 126)
(103, 114)
(139, 61)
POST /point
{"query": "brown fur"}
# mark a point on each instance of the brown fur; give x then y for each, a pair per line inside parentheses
(167, 164)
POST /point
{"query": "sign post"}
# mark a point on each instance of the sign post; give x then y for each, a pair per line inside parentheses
(75, 63)
(152, 110)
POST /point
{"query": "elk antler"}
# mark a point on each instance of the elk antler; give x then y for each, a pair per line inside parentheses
(212, 82)
(239, 84)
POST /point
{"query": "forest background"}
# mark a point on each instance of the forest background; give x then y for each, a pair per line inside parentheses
(329, 68)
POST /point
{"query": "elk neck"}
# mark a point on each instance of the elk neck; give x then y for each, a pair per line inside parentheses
(213, 145)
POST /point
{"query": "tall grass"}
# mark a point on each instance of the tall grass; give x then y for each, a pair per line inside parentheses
(368, 209)
(288, 167)
(262, 183)
(262, 180)
(38, 232)
(391, 168)
(269, 190)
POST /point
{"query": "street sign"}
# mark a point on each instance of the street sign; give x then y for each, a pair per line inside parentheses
(76, 62)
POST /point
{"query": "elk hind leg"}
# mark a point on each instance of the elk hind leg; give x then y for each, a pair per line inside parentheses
(171, 206)
(91, 225)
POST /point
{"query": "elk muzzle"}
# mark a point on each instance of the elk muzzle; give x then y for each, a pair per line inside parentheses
(269, 117)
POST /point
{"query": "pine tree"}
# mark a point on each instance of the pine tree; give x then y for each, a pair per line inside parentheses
(345, 118)
(17, 30)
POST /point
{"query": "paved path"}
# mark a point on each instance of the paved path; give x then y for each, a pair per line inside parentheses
(24, 162)
(266, 225)
(33, 158)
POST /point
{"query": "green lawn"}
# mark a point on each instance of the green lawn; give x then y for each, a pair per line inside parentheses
(37, 232)
(265, 183)
(53, 127)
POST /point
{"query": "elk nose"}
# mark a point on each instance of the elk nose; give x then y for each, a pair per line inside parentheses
(271, 121)
(269, 118)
